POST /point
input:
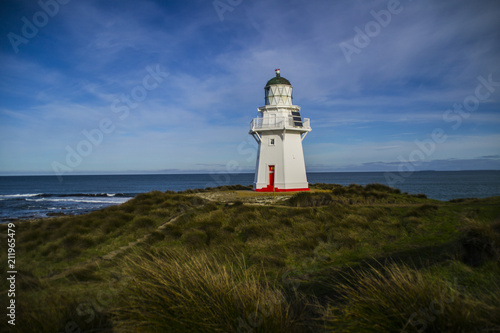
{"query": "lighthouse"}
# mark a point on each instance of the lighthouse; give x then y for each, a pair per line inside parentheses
(279, 130)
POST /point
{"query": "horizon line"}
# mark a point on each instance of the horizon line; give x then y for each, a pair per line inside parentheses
(152, 173)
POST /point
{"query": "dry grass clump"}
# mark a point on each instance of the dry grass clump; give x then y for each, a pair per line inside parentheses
(179, 292)
(397, 298)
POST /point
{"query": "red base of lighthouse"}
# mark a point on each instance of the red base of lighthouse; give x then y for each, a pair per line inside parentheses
(269, 188)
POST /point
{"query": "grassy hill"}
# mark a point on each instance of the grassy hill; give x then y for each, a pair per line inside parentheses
(336, 259)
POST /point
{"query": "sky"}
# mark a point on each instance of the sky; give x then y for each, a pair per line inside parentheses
(149, 86)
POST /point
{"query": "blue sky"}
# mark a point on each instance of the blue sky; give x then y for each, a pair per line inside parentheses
(171, 86)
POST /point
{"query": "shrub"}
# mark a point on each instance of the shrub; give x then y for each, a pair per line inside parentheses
(177, 292)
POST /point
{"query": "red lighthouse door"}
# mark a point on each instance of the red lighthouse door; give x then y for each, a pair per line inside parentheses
(271, 176)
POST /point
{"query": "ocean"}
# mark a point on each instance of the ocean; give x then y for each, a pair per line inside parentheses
(27, 197)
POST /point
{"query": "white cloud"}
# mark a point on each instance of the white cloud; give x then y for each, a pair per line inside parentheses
(395, 90)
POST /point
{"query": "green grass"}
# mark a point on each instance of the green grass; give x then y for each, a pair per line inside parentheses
(182, 291)
(338, 258)
(397, 298)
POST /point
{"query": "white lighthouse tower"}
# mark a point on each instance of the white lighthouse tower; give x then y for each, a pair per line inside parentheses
(279, 131)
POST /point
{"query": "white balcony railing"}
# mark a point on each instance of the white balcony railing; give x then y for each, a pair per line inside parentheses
(279, 123)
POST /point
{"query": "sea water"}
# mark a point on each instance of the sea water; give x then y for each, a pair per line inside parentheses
(24, 197)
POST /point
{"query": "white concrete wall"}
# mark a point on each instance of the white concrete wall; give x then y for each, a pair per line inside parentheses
(293, 160)
(288, 158)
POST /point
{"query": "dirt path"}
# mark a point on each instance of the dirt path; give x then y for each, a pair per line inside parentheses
(111, 255)
(251, 197)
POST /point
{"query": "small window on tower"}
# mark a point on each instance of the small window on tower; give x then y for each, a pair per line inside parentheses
(271, 142)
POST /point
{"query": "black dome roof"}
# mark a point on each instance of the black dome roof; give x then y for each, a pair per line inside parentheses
(278, 80)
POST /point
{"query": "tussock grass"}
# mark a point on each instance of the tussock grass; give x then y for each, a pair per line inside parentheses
(74, 240)
(143, 222)
(181, 292)
(49, 309)
(480, 243)
(398, 298)
(412, 223)
(298, 243)
(84, 273)
(423, 210)
(369, 194)
(194, 238)
(308, 199)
